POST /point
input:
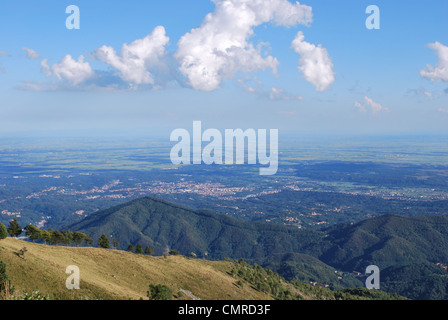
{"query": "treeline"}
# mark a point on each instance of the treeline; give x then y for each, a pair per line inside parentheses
(65, 237)
(103, 242)
(139, 249)
(51, 236)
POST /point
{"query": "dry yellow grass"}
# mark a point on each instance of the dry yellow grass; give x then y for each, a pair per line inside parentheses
(117, 275)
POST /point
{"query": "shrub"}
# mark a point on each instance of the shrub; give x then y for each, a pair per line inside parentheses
(139, 248)
(159, 292)
(103, 242)
(3, 231)
(35, 295)
(5, 283)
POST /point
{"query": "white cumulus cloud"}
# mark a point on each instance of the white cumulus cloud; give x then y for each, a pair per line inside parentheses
(138, 58)
(69, 69)
(220, 47)
(440, 71)
(315, 63)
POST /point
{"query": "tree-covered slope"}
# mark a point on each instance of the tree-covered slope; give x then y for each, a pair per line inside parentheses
(389, 240)
(161, 225)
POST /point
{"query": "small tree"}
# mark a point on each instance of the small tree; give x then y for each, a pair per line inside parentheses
(159, 292)
(57, 237)
(3, 231)
(174, 252)
(51, 239)
(138, 248)
(14, 228)
(45, 236)
(78, 238)
(33, 233)
(103, 242)
(147, 250)
(68, 237)
(88, 239)
(130, 248)
(115, 243)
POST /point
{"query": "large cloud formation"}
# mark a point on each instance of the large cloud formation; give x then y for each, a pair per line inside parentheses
(440, 71)
(315, 63)
(216, 50)
(220, 46)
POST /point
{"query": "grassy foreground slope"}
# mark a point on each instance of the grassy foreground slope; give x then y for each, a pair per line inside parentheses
(111, 274)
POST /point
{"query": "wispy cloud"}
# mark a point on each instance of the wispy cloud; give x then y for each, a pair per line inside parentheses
(31, 54)
(3, 54)
(375, 107)
(361, 107)
(421, 92)
(279, 94)
(254, 86)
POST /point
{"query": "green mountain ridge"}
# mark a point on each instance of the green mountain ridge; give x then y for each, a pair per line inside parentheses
(161, 225)
(389, 240)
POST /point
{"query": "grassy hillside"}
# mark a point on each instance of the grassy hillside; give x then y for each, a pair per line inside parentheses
(111, 274)
(117, 275)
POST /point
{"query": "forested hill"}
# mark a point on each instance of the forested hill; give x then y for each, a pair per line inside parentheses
(389, 240)
(163, 225)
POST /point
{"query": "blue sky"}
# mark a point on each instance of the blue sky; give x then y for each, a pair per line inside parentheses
(351, 79)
